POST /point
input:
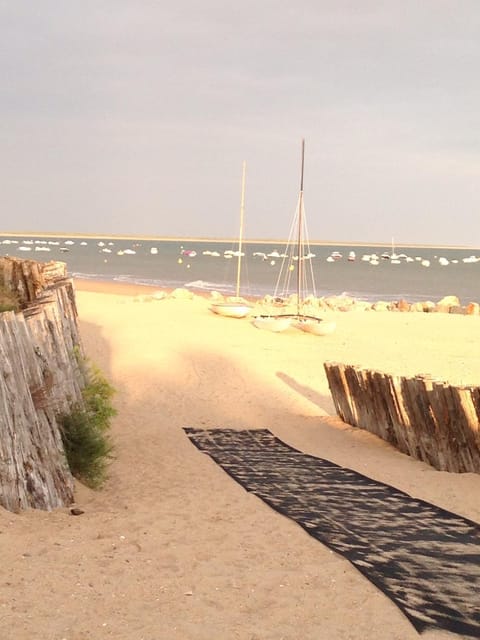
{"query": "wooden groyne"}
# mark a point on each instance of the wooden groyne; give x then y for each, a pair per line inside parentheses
(40, 378)
(425, 418)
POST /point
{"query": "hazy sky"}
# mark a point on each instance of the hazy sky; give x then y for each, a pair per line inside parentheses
(134, 117)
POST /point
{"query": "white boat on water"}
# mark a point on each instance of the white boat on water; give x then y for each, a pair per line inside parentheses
(235, 306)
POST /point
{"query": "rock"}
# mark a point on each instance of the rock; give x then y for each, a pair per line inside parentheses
(339, 302)
(361, 305)
(473, 309)
(403, 305)
(76, 512)
(442, 308)
(381, 306)
(449, 301)
(182, 294)
(417, 307)
(428, 306)
(457, 309)
(311, 301)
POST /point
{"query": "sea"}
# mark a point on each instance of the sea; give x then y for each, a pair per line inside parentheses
(408, 273)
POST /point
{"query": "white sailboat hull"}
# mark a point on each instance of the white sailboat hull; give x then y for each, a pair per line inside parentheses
(231, 309)
(272, 323)
(317, 327)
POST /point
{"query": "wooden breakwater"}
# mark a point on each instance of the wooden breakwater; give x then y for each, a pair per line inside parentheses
(40, 378)
(425, 418)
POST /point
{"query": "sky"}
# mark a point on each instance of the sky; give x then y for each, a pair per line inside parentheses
(133, 117)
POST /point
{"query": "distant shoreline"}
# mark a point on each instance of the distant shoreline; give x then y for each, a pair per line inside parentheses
(278, 241)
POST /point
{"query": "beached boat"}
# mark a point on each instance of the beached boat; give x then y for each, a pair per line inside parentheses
(298, 259)
(235, 306)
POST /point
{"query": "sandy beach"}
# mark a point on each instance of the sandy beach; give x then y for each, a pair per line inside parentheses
(173, 548)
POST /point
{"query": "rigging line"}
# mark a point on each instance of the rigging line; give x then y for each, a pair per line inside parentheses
(240, 239)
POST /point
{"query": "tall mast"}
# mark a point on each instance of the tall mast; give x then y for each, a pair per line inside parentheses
(240, 238)
(300, 265)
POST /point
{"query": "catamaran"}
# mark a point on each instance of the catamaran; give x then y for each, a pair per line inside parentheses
(298, 258)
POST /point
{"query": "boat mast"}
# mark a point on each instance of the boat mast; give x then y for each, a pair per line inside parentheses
(299, 236)
(240, 235)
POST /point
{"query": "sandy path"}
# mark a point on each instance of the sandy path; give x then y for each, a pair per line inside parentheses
(172, 547)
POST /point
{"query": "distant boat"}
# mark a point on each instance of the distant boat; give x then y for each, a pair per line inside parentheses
(235, 307)
(392, 256)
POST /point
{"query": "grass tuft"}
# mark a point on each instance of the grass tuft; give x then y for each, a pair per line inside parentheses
(87, 444)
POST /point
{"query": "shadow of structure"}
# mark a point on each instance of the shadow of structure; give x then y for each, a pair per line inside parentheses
(322, 401)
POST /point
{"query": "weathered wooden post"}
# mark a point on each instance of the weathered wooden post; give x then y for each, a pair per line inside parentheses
(40, 377)
(427, 419)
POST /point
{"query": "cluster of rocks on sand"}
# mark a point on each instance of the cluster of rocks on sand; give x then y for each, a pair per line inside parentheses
(448, 304)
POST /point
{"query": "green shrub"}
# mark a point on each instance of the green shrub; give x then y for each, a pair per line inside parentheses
(84, 430)
(8, 300)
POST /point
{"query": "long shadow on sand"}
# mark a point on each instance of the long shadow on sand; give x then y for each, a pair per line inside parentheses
(307, 392)
(426, 559)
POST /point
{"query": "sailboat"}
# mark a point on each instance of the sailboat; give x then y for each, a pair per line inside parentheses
(392, 256)
(298, 260)
(235, 306)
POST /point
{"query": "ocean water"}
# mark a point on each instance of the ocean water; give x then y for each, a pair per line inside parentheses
(202, 266)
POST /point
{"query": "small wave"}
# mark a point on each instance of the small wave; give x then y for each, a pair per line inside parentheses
(125, 279)
(204, 285)
(90, 276)
(147, 282)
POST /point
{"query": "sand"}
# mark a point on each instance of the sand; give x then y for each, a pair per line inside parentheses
(174, 548)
